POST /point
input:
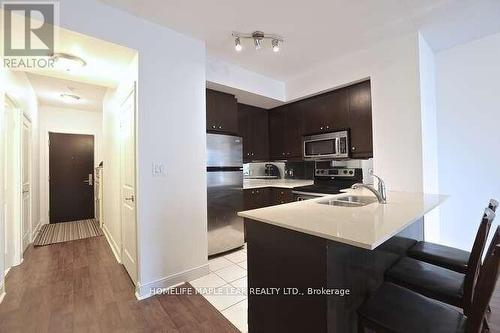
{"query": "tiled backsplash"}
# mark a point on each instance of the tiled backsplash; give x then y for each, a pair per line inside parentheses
(305, 169)
(259, 168)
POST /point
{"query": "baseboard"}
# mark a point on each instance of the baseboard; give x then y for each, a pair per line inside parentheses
(2, 292)
(36, 231)
(112, 243)
(147, 290)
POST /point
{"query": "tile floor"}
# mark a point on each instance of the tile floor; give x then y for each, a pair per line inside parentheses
(225, 287)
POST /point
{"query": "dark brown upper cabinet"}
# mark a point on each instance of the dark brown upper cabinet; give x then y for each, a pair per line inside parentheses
(222, 112)
(253, 124)
(325, 113)
(360, 120)
(285, 132)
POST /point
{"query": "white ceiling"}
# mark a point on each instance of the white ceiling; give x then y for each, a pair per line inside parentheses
(318, 30)
(49, 89)
(106, 62)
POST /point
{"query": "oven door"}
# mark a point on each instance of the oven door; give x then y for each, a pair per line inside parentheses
(321, 146)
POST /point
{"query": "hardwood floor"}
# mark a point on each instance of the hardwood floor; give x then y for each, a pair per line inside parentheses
(78, 286)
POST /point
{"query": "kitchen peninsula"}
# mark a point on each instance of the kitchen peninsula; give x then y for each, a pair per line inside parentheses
(328, 255)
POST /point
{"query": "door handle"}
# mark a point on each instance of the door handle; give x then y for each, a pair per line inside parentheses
(89, 180)
(131, 198)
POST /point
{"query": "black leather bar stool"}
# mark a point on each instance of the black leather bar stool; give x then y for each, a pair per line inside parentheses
(396, 309)
(440, 283)
(444, 256)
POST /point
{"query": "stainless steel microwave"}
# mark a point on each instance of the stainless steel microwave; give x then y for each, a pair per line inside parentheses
(333, 145)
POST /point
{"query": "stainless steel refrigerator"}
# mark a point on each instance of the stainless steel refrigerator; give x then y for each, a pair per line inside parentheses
(224, 192)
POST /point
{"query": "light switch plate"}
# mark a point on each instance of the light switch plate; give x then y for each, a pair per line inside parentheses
(159, 170)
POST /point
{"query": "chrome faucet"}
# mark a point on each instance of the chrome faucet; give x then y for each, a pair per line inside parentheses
(380, 194)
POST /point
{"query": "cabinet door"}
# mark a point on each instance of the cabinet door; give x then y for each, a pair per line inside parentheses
(360, 120)
(256, 198)
(249, 199)
(313, 114)
(325, 113)
(293, 132)
(245, 131)
(254, 128)
(260, 134)
(211, 110)
(335, 113)
(276, 137)
(227, 113)
(281, 196)
(222, 112)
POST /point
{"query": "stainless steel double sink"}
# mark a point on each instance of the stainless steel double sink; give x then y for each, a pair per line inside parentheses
(349, 201)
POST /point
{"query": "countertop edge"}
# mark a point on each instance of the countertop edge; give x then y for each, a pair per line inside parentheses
(309, 232)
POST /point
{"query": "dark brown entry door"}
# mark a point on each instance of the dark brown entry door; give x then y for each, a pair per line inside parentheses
(71, 172)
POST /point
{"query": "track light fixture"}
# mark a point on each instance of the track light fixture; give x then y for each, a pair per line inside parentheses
(237, 44)
(258, 38)
(276, 45)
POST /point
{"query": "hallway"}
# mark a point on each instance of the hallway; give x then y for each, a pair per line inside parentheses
(78, 286)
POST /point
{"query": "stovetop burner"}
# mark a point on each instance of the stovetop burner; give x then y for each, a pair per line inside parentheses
(331, 181)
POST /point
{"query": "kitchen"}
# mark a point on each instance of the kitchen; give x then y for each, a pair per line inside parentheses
(335, 125)
(303, 174)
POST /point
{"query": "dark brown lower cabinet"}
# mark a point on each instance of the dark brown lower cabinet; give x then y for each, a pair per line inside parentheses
(281, 196)
(266, 196)
(256, 198)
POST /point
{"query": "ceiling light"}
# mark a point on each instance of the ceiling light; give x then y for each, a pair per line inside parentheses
(276, 45)
(68, 62)
(237, 44)
(258, 38)
(70, 98)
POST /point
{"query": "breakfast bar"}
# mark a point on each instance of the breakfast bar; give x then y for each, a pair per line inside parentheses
(312, 263)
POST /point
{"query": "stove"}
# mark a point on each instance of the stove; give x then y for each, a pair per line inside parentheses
(329, 181)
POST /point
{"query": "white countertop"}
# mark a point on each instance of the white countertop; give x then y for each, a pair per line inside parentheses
(366, 227)
(282, 183)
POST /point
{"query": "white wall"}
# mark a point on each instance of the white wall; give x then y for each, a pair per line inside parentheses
(427, 70)
(392, 66)
(171, 130)
(231, 75)
(64, 120)
(468, 102)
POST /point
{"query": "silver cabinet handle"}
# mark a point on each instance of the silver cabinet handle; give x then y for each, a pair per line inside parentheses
(131, 198)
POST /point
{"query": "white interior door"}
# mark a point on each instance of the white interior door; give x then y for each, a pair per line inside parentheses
(26, 183)
(12, 184)
(128, 200)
